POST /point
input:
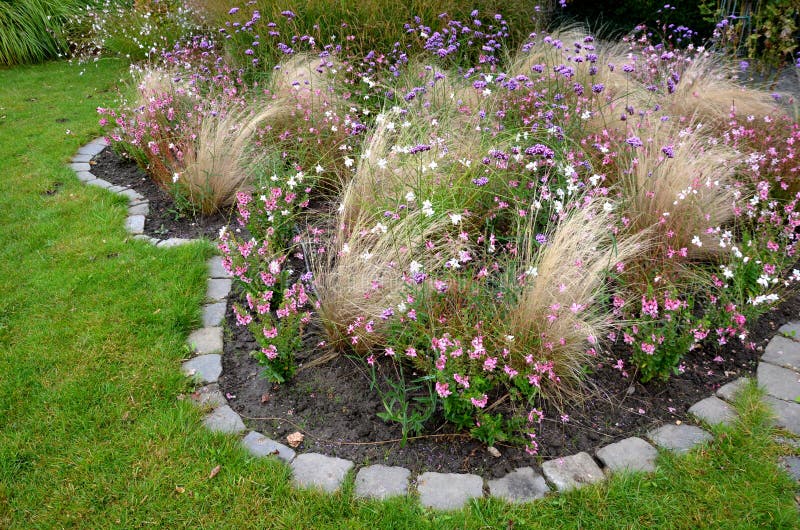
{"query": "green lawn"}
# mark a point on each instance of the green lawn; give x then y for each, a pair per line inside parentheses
(92, 327)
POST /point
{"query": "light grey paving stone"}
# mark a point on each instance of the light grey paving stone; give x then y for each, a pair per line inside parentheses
(381, 482)
(448, 491)
(81, 157)
(206, 340)
(783, 352)
(679, 438)
(132, 195)
(630, 454)
(224, 419)
(85, 176)
(572, 471)
(142, 208)
(207, 368)
(787, 415)
(208, 396)
(100, 183)
(80, 166)
(215, 268)
(791, 330)
(173, 242)
(218, 289)
(521, 485)
(116, 189)
(213, 314)
(779, 382)
(143, 237)
(792, 465)
(134, 224)
(313, 470)
(792, 442)
(713, 411)
(93, 148)
(260, 446)
(729, 391)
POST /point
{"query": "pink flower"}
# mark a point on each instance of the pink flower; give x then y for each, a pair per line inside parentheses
(443, 389)
(480, 403)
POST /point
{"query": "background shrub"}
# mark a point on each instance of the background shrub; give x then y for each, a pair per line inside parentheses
(30, 30)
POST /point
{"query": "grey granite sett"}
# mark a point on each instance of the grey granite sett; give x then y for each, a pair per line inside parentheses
(787, 415)
(791, 330)
(779, 382)
(679, 438)
(85, 176)
(100, 183)
(206, 340)
(134, 224)
(207, 368)
(630, 454)
(173, 242)
(260, 446)
(132, 195)
(218, 289)
(224, 419)
(116, 189)
(783, 352)
(80, 166)
(142, 208)
(81, 157)
(792, 465)
(448, 491)
(572, 471)
(521, 485)
(729, 391)
(381, 482)
(213, 314)
(215, 268)
(713, 411)
(93, 148)
(313, 470)
(208, 396)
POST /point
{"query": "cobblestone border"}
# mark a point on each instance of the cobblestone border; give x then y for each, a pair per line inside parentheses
(778, 373)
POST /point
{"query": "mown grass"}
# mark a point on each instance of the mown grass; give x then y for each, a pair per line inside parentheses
(92, 326)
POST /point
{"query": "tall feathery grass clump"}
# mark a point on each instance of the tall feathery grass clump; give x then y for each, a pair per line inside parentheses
(31, 30)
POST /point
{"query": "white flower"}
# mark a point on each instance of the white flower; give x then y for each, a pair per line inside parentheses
(608, 207)
(346, 248)
(433, 164)
(366, 256)
(696, 241)
(410, 196)
(348, 161)
(176, 177)
(532, 271)
(453, 264)
(401, 307)
(382, 163)
(455, 218)
(379, 228)
(427, 208)
(726, 271)
(415, 267)
(319, 169)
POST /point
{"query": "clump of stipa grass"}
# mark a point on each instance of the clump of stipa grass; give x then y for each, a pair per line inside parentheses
(557, 319)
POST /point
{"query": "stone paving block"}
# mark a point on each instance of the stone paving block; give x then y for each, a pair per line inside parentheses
(213, 314)
(787, 415)
(80, 166)
(679, 438)
(99, 183)
(134, 224)
(572, 471)
(206, 340)
(448, 491)
(630, 454)
(729, 391)
(713, 411)
(93, 148)
(783, 352)
(779, 382)
(313, 470)
(85, 176)
(521, 485)
(260, 446)
(208, 396)
(792, 465)
(218, 289)
(81, 157)
(224, 419)
(173, 242)
(791, 330)
(116, 189)
(132, 195)
(381, 482)
(215, 268)
(142, 208)
(207, 368)
(145, 237)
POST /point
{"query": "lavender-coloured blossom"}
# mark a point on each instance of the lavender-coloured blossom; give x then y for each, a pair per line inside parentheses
(634, 141)
(480, 181)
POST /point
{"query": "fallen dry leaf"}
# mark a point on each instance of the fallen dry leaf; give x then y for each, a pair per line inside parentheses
(493, 451)
(214, 472)
(264, 398)
(179, 489)
(295, 439)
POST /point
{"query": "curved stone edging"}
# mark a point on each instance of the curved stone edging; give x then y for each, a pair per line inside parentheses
(778, 373)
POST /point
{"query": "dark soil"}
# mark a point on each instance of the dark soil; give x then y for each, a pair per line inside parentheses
(333, 406)
(164, 220)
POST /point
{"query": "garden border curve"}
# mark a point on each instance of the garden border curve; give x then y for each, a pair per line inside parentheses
(778, 372)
